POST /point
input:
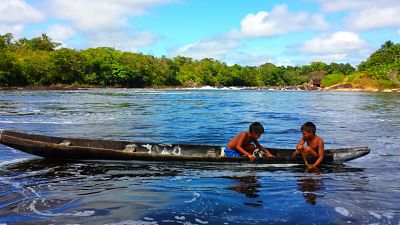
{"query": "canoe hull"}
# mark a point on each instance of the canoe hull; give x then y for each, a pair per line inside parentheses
(64, 148)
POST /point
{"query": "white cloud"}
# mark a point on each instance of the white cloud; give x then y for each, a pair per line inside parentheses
(14, 29)
(60, 33)
(338, 43)
(278, 21)
(252, 58)
(215, 48)
(14, 12)
(373, 18)
(345, 5)
(121, 40)
(228, 51)
(341, 5)
(99, 14)
(340, 46)
(330, 57)
(100, 22)
(366, 14)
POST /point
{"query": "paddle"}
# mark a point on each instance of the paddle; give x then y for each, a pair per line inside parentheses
(305, 159)
(303, 155)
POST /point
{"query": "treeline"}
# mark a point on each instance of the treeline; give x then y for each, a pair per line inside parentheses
(40, 61)
(384, 64)
(381, 70)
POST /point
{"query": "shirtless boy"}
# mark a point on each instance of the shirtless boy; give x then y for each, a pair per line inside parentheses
(242, 144)
(315, 145)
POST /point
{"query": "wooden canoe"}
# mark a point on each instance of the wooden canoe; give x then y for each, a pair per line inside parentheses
(64, 148)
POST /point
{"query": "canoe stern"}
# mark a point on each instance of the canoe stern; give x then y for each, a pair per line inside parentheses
(347, 154)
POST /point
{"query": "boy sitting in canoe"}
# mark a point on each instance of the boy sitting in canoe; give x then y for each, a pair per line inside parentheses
(242, 143)
(315, 145)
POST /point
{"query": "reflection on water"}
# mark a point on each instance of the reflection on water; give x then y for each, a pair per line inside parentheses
(42, 188)
(246, 185)
(310, 187)
(309, 183)
(39, 190)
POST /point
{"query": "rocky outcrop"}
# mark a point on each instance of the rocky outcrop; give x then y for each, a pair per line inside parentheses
(339, 86)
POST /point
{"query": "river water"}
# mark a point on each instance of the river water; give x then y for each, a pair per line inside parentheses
(363, 191)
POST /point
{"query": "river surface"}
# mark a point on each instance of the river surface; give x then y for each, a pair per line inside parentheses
(362, 191)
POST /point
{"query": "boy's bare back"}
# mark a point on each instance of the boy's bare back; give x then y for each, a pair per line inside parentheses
(245, 136)
(246, 142)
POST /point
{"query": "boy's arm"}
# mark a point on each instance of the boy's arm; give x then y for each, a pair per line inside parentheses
(240, 148)
(299, 148)
(300, 145)
(320, 155)
(263, 149)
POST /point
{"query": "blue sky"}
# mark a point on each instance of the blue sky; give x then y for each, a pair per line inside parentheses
(245, 32)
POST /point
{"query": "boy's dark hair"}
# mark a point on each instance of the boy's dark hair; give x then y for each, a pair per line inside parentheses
(256, 127)
(309, 126)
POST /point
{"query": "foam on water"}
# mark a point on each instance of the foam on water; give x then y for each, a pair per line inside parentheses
(85, 213)
(342, 211)
(374, 214)
(201, 221)
(134, 222)
(196, 195)
(38, 122)
(213, 88)
(180, 217)
(32, 207)
(14, 161)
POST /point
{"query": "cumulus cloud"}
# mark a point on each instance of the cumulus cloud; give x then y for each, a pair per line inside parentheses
(250, 58)
(330, 57)
(373, 18)
(345, 5)
(100, 22)
(338, 46)
(212, 48)
(14, 14)
(99, 14)
(339, 42)
(340, 5)
(14, 29)
(60, 33)
(366, 14)
(229, 51)
(121, 40)
(278, 21)
(18, 12)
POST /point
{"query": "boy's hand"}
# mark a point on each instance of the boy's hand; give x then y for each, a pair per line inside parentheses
(300, 147)
(270, 155)
(252, 158)
(311, 167)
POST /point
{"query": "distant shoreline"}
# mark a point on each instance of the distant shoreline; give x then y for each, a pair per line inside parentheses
(341, 88)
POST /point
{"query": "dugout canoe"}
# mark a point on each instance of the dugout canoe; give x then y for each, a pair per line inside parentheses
(67, 148)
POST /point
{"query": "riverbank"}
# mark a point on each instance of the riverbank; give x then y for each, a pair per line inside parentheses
(42, 87)
(305, 87)
(357, 88)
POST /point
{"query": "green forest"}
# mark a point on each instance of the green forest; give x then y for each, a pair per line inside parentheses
(41, 61)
